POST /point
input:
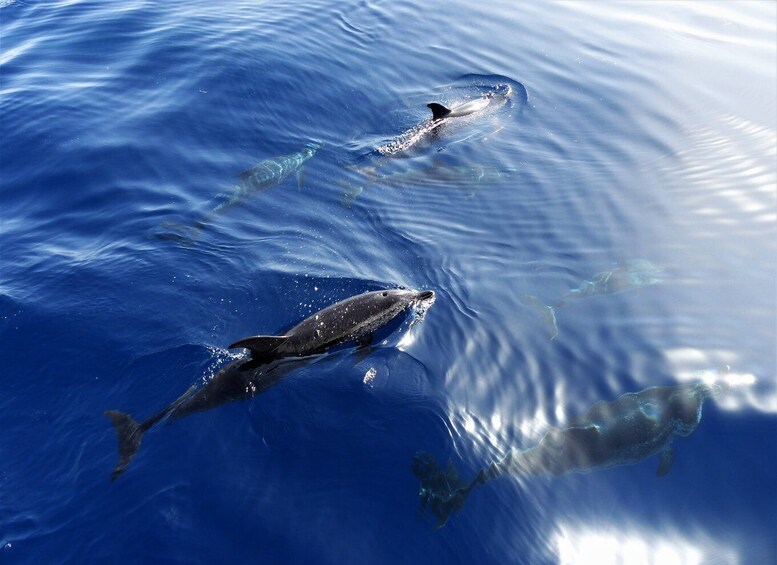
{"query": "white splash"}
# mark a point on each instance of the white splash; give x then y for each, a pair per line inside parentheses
(369, 376)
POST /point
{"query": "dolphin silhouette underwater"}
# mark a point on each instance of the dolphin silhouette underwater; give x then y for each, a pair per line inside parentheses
(263, 176)
(625, 431)
(354, 319)
(629, 274)
(470, 178)
(440, 116)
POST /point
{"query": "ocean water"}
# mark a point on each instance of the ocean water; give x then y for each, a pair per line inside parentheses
(623, 174)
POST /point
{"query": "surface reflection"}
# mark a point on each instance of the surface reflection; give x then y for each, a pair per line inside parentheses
(603, 545)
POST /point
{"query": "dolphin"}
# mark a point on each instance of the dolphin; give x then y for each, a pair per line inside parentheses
(625, 431)
(263, 176)
(629, 274)
(273, 357)
(441, 115)
(435, 175)
(353, 319)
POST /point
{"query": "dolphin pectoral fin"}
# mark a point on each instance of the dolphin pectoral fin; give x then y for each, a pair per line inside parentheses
(349, 192)
(363, 348)
(546, 312)
(665, 459)
(365, 341)
(438, 110)
(245, 175)
(261, 346)
(301, 178)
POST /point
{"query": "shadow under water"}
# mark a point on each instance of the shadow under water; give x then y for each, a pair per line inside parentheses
(625, 431)
(469, 178)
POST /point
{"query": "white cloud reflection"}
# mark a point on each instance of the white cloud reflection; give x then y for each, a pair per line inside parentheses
(603, 546)
(745, 389)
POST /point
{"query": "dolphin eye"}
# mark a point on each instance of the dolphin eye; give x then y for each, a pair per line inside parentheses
(385, 294)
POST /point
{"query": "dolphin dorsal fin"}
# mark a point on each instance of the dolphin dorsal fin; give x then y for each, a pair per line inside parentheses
(261, 346)
(438, 110)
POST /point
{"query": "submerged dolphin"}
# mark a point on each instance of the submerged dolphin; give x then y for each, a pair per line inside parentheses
(263, 176)
(354, 319)
(624, 431)
(440, 115)
(630, 274)
(469, 177)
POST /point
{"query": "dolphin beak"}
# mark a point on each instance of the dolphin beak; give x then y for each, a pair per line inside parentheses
(426, 295)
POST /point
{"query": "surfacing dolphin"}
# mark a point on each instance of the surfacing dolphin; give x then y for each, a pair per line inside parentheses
(625, 431)
(355, 319)
(440, 116)
(630, 274)
(263, 176)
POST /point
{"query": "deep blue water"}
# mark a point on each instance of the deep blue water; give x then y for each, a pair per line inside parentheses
(633, 131)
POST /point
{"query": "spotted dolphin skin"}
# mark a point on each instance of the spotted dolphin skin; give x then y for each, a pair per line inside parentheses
(273, 357)
(263, 176)
(622, 432)
(353, 319)
(441, 115)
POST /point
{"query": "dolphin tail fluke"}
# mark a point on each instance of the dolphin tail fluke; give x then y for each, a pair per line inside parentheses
(129, 433)
(442, 492)
(546, 312)
(438, 110)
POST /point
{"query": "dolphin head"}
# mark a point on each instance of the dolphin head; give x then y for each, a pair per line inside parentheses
(312, 147)
(403, 298)
(685, 406)
(424, 295)
(371, 311)
(392, 302)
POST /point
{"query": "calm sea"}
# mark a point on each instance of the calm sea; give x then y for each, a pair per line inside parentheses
(177, 175)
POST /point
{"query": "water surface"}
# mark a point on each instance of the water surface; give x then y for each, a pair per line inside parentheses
(634, 132)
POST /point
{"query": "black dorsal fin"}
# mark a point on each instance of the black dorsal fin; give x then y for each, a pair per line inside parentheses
(438, 110)
(261, 346)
